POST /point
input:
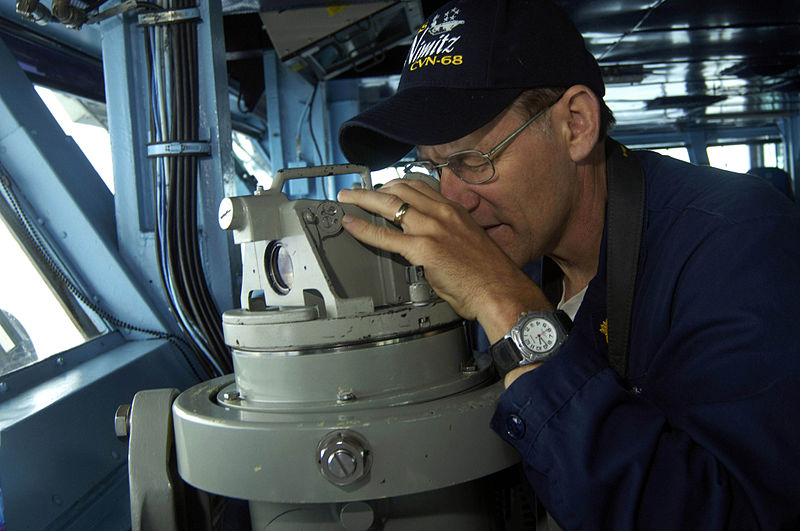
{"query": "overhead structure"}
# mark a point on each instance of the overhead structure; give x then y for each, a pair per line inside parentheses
(323, 42)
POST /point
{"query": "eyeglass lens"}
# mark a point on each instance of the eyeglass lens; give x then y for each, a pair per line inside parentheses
(470, 166)
(422, 167)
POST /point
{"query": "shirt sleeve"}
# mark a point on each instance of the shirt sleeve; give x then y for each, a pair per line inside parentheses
(705, 434)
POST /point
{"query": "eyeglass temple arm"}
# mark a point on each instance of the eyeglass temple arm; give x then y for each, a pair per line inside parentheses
(502, 144)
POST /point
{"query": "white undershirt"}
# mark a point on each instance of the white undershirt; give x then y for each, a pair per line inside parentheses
(571, 306)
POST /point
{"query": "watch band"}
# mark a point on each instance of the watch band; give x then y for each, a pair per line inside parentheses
(564, 319)
(506, 356)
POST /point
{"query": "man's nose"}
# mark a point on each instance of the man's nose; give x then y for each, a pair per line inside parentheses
(455, 189)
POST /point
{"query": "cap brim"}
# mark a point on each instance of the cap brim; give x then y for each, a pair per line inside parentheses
(419, 116)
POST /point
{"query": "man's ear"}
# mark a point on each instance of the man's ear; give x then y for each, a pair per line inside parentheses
(582, 121)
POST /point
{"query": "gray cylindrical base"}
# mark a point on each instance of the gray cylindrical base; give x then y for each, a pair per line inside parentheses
(458, 508)
(274, 457)
(387, 373)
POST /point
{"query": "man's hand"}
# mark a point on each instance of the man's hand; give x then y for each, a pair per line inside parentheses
(462, 263)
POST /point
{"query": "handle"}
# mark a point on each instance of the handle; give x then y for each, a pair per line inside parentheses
(321, 171)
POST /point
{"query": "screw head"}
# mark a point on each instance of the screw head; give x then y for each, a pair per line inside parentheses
(309, 217)
(469, 366)
(345, 396)
(341, 463)
(231, 395)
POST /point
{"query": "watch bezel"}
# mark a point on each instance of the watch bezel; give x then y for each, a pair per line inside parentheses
(516, 336)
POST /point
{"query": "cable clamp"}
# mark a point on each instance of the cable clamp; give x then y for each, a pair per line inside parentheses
(176, 149)
(170, 17)
(119, 9)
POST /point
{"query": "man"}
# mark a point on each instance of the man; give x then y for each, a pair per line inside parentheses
(504, 105)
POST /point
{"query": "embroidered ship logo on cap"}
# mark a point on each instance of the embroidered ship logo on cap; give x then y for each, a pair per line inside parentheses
(449, 22)
(425, 51)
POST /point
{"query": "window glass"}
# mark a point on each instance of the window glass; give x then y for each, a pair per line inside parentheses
(33, 323)
(773, 155)
(680, 153)
(770, 155)
(85, 121)
(252, 159)
(387, 174)
(735, 157)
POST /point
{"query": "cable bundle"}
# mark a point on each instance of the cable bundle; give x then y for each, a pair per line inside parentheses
(172, 55)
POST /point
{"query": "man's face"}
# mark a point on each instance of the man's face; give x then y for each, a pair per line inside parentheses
(526, 206)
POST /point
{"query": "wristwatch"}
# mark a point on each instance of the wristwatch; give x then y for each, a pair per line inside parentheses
(536, 337)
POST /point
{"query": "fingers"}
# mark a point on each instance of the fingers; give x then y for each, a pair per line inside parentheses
(384, 238)
(420, 186)
(387, 201)
(385, 205)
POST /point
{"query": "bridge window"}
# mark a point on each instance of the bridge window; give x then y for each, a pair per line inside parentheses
(387, 174)
(680, 153)
(772, 155)
(735, 157)
(741, 157)
(85, 121)
(38, 317)
(252, 165)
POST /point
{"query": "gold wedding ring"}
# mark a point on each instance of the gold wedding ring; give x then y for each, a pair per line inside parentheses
(401, 212)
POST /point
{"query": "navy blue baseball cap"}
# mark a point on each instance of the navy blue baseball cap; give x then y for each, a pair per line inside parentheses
(466, 64)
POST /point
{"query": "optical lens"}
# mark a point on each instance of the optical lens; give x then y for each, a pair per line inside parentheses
(280, 270)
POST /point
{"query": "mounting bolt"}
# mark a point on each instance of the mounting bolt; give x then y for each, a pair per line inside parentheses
(469, 366)
(345, 396)
(344, 457)
(309, 217)
(122, 421)
(229, 396)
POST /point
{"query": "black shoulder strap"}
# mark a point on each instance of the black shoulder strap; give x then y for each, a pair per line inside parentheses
(552, 284)
(625, 214)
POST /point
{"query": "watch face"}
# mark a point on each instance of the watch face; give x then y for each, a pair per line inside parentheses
(539, 335)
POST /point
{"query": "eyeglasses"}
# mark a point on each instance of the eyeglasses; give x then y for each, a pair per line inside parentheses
(471, 166)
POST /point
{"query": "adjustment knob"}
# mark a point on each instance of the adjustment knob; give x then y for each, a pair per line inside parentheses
(231, 214)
